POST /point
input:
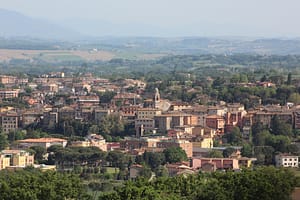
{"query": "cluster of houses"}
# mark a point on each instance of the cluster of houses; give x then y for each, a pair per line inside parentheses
(158, 123)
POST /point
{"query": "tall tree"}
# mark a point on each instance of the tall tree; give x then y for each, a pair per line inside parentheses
(3, 141)
(175, 154)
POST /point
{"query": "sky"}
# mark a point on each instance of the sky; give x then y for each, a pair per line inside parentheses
(263, 18)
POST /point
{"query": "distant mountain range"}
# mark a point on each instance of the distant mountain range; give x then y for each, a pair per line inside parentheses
(22, 32)
(14, 24)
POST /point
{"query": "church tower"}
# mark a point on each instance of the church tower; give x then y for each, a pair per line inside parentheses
(156, 98)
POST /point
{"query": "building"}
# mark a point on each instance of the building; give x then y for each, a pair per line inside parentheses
(184, 144)
(92, 140)
(99, 114)
(168, 121)
(7, 79)
(43, 142)
(148, 113)
(8, 94)
(146, 125)
(30, 117)
(50, 118)
(216, 110)
(88, 101)
(297, 119)
(130, 143)
(181, 168)
(286, 160)
(216, 122)
(18, 158)
(219, 163)
(4, 161)
(9, 121)
(134, 171)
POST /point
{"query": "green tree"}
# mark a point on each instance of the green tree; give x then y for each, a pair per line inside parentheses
(215, 154)
(3, 141)
(246, 150)
(161, 171)
(289, 79)
(34, 185)
(39, 153)
(118, 159)
(112, 125)
(260, 138)
(228, 152)
(279, 127)
(175, 154)
(145, 172)
(154, 159)
(16, 135)
(234, 137)
(294, 98)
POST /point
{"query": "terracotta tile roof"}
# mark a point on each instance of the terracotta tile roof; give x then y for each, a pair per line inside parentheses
(43, 140)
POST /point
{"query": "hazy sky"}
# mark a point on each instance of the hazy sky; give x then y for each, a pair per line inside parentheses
(187, 17)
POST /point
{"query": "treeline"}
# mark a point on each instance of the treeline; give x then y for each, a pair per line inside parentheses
(266, 183)
(30, 184)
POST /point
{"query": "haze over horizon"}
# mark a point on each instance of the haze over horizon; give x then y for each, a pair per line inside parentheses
(168, 18)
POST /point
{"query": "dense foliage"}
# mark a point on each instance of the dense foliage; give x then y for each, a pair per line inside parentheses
(262, 183)
(35, 185)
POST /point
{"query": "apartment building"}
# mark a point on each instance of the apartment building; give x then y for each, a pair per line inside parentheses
(9, 121)
(287, 160)
(7, 94)
(18, 158)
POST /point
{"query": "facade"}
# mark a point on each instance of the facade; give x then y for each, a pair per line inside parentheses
(220, 163)
(143, 113)
(88, 101)
(50, 118)
(18, 158)
(297, 119)
(286, 160)
(6, 94)
(92, 140)
(168, 121)
(4, 161)
(7, 79)
(9, 121)
(216, 122)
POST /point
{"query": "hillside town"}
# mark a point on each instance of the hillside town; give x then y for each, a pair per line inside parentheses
(120, 115)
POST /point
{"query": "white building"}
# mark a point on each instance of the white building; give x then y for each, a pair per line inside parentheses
(286, 160)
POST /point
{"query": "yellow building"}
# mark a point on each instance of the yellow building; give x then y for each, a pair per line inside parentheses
(4, 161)
(147, 113)
(203, 142)
(18, 157)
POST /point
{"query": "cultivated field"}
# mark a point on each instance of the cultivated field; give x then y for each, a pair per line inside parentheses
(71, 55)
(53, 55)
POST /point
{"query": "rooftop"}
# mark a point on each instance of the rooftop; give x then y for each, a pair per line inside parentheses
(43, 140)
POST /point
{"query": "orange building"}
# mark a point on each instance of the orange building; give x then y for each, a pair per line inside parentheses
(216, 122)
